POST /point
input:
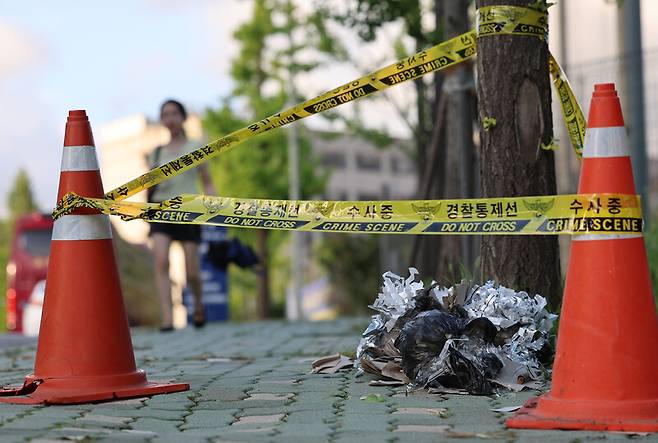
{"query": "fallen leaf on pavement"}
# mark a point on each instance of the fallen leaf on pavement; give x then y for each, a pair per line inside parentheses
(386, 383)
(331, 364)
(373, 398)
(447, 391)
(508, 408)
(394, 371)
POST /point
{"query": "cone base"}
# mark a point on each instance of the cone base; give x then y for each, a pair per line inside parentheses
(75, 390)
(546, 412)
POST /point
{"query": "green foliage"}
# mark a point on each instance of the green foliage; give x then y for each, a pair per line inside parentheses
(373, 398)
(248, 68)
(552, 145)
(259, 167)
(324, 41)
(242, 282)
(20, 199)
(242, 290)
(489, 123)
(367, 16)
(352, 262)
(651, 239)
(541, 5)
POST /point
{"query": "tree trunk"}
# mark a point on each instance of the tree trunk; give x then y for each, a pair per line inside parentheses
(459, 178)
(421, 128)
(431, 185)
(514, 88)
(263, 300)
(432, 165)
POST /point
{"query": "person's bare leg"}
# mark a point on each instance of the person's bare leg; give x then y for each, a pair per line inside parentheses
(193, 274)
(161, 243)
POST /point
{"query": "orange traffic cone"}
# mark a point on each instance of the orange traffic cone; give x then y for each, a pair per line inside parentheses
(84, 352)
(606, 366)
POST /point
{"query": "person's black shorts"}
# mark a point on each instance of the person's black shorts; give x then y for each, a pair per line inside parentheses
(181, 233)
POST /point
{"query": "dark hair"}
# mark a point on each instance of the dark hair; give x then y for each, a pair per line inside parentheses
(176, 103)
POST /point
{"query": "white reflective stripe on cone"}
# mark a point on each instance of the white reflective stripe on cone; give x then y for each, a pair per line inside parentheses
(606, 142)
(605, 236)
(79, 158)
(82, 227)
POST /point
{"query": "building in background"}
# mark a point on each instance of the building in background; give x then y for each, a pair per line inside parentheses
(362, 171)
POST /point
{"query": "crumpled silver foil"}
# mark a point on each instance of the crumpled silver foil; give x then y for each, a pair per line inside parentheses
(505, 308)
(397, 296)
(520, 319)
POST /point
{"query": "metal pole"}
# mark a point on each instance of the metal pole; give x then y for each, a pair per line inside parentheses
(630, 45)
(294, 301)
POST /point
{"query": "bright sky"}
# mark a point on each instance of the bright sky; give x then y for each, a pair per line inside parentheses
(113, 59)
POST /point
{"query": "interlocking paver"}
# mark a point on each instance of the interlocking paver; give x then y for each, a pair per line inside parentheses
(210, 418)
(159, 427)
(252, 383)
(270, 397)
(259, 419)
(19, 435)
(432, 429)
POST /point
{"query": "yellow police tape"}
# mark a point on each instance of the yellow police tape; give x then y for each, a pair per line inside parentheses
(502, 19)
(558, 214)
(573, 115)
(492, 20)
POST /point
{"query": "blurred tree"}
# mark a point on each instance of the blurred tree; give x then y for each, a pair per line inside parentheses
(20, 199)
(444, 152)
(461, 172)
(367, 17)
(651, 239)
(272, 44)
(354, 273)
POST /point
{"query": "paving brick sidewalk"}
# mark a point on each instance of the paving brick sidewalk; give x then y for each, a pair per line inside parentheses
(251, 382)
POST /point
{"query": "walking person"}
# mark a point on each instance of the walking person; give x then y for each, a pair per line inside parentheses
(172, 116)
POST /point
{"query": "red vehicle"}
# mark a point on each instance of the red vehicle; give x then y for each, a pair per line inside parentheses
(28, 264)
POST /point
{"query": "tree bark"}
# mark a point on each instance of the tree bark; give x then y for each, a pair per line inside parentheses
(461, 163)
(431, 165)
(514, 88)
(263, 300)
(430, 174)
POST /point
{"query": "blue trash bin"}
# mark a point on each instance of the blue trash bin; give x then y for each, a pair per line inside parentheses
(214, 279)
